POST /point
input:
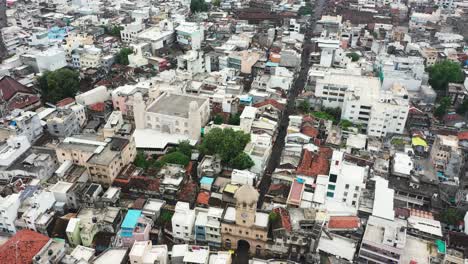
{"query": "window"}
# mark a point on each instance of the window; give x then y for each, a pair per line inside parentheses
(347, 186)
(353, 203)
(330, 194)
(344, 200)
(355, 195)
(345, 194)
(331, 187)
(356, 188)
(333, 177)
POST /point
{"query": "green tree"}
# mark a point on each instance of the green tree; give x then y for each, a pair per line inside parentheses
(141, 160)
(185, 148)
(218, 119)
(241, 162)
(226, 143)
(345, 124)
(234, 120)
(463, 108)
(305, 10)
(122, 56)
(59, 84)
(450, 216)
(198, 6)
(443, 73)
(273, 216)
(304, 106)
(354, 56)
(176, 157)
(216, 2)
(444, 106)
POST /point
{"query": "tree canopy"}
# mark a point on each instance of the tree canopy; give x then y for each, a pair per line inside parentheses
(229, 145)
(242, 162)
(179, 155)
(198, 6)
(234, 120)
(122, 56)
(305, 10)
(304, 106)
(113, 30)
(218, 119)
(450, 216)
(176, 157)
(444, 106)
(443, 73)
(59, 84)
(354, 56)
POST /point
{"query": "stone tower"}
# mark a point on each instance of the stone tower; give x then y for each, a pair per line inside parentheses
(246, 205)
(139, 111)
(194, 121)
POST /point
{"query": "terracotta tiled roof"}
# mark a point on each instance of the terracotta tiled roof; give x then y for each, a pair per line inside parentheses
(22, 101)
(98, 107)
(65, 102)
(344, 222)
(22, 247)
(144, 183)
(313, 164)
(271, 102)
(203, 197)
(285, 218)
(310, 131)
(463, 135)
(9, 87)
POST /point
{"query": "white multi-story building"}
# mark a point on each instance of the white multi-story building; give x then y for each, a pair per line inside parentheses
(183, 221)
(38, 205)
(345, 181)
(64, 193)
(213, 226)
(190, 34)
(382, 112)
(193, 62)
(24, 123)
(170, 118)
(8, 212)
(144, 252)
(159, 36)
(48, 60)
(13, 149)
(130, 31)
(331, 88)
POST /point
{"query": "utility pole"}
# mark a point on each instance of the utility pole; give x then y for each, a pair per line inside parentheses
(3, 23)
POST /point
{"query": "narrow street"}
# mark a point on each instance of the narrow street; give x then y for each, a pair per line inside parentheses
(294, 92)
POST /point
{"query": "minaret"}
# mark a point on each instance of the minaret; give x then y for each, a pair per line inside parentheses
(139, 111)
(194, 121)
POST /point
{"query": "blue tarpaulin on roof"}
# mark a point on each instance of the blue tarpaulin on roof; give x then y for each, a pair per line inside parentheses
(131, 219)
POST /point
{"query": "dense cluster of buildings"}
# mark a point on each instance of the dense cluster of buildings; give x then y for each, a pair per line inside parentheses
(350, 157)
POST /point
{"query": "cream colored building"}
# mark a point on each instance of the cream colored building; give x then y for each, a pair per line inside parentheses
(430, 56)
(103, 159)
(242, 226)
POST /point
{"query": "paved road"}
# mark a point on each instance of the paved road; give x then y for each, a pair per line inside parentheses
(297, 87)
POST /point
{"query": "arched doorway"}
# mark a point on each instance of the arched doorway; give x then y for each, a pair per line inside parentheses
(242, 252)
(243, 245)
